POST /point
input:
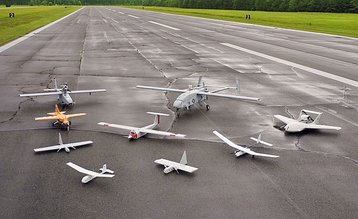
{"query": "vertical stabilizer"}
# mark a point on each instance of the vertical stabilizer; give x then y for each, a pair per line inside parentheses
(316, 121)
(156, 119)
(55, 84)
(57, 111)
(237, 85)
(200, 81)
(60, 139)
(183, 159)
(259, 139)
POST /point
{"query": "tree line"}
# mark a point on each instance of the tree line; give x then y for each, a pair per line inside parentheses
(259, 5)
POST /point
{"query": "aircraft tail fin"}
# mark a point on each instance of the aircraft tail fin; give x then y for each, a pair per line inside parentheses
(60, 139)
(259, 141)
(316, 121)
(200, 83)
(183, 159)
(57, 111)
(105, 170)
(55, 84)
(157, 116)
(237, 85)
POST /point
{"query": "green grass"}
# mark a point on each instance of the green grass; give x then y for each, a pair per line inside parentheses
(332, 23)
(28, 19)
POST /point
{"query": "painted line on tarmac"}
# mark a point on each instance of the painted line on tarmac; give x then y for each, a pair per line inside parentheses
(25, 37)
(302, 67)
(163, 25)
(120, 12)
(133, 16)
(114, 20)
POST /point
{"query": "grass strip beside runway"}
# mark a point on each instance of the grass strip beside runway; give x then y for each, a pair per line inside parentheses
(28, 19)
(332, 23)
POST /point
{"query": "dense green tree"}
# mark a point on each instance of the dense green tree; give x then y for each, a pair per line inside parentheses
(264, 5)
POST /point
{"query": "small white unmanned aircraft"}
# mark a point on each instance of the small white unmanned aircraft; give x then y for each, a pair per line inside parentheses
(136, 132)
(91, 174)
(197, 95)
(169, 166)
(61, 145)
(245, 150)
(63, 93)
(304, 121)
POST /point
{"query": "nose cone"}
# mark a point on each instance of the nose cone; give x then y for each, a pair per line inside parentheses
(177, 104)
(132, 136)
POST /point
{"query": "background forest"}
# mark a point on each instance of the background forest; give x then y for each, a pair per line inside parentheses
(259, 5)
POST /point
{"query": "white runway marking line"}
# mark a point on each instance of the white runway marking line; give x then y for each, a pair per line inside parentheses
(120, 12)
(133, 16)
(163, 25)
(114, 20)
(19, 40)
(302, 67)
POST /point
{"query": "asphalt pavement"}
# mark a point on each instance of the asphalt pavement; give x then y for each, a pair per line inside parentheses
(117, 49)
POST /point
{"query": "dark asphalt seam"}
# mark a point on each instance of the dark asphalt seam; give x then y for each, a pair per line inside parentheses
(15, 113)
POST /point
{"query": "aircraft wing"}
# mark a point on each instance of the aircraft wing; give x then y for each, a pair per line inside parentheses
(238, 147)
(262, 155)
(87, 172)
(161, 88)
(56, 147)
(117, 126)
(284, 119)
(49, 148)
(46, 118)
(176, 165)
(230, 96)
(230, 143)
(315, 126)
(156, 132)
(40, 94)
(77, 144)
(86, 91)
(75, 115)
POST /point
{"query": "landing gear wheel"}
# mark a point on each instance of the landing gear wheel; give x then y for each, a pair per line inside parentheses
(69, 122)
(207, 107)
(53, 124)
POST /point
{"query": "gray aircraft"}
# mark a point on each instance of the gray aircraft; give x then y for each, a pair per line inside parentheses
(63, 93)
(197, 95)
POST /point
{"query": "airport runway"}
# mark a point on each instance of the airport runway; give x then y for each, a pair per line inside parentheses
(117, 49)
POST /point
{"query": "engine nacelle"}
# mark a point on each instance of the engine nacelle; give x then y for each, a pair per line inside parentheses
(239, 153)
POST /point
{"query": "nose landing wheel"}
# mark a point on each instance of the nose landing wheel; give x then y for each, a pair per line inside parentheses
(207, 107)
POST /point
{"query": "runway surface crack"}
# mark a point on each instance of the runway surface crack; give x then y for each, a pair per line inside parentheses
(16, 112)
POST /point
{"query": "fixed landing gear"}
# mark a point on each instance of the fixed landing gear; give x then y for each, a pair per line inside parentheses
(207, 106)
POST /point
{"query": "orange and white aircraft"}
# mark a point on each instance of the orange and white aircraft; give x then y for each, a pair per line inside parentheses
(62, 119)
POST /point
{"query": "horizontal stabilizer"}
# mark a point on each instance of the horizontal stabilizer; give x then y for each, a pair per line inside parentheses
(158, 114)
(259, 141)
